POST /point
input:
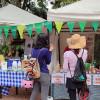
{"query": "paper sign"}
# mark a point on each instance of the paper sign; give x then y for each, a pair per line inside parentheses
(57, 78)
(96, 79)
(89, 79)
(4, 65)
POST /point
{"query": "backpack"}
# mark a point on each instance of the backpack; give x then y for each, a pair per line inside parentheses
(79, 72)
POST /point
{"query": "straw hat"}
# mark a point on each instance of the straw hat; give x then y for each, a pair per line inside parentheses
(76, 41)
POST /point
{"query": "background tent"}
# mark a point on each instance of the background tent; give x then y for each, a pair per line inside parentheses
(13, 15)
(84, 10)
(81, 10)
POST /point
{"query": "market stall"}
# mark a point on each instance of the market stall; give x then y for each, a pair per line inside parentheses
(59, 90)
(15, 21)
(82, 17)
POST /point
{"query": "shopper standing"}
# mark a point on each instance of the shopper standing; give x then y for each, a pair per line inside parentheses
(43, 51)
(76, 44)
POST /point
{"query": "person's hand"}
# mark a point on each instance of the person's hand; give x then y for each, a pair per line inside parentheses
(51, 47)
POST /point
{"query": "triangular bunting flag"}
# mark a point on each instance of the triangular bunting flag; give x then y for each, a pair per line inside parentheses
(82, 26)
(38, 27)
(0, 31)
(6, 30)
(70, 26)
(58, 25)
(21, 30)
(48, 25)
(13, 30)
(95, 25)
(29, 29)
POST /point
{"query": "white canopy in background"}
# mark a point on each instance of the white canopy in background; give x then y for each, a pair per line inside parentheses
(13, 15)
(84, 10)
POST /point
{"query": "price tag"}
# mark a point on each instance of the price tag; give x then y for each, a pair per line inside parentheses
(57, 78)
(96, 79)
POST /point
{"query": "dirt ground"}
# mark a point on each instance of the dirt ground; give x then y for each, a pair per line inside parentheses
(23, 94)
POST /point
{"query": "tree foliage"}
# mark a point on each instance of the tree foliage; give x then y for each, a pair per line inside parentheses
(39, 7)
(60, 3)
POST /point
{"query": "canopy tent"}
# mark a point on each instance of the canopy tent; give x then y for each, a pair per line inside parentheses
(76, 16)
(84, 10)
(12, 15)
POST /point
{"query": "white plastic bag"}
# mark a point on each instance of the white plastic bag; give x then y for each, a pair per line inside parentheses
(50, 98)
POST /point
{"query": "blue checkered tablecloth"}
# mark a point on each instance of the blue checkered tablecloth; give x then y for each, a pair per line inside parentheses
(10, 79)
(5, 90)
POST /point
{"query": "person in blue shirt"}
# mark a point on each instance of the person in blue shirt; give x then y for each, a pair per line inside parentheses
(43, 51)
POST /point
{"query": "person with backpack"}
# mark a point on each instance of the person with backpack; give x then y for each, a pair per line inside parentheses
(43, 53)
(73, 65)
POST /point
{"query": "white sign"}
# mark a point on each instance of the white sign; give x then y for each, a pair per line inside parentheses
(4, 65)
(96, 79)
(57, 78)
(89, 79)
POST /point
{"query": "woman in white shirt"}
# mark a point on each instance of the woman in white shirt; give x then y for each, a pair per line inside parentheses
(76, 44)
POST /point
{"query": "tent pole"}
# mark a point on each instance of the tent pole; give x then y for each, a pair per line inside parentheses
(59, 49)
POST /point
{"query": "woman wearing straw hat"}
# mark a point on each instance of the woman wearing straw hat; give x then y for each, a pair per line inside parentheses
(76, 44)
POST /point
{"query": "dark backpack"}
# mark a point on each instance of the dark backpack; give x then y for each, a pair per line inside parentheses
(79, 72)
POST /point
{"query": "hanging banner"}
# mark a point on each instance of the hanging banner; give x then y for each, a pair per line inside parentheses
(6, 30)
(21, 30)
(13, 30)
(48, 25)
(82, 26)
(38, 27)
(58, 25)
(29, 29)
(70, 26)
(95, 25)
(0, 31)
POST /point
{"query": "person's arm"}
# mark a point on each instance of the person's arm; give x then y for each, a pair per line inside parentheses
(65, 63)
(48, 56)
(48, 53)
(32, 52)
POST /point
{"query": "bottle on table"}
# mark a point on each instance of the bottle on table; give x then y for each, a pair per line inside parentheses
(14, 65)
(19, 65)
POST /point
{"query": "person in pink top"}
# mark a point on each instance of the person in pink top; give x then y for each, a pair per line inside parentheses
(76, 44)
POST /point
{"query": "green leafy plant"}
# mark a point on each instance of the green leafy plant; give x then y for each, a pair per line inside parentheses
(4, 49)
